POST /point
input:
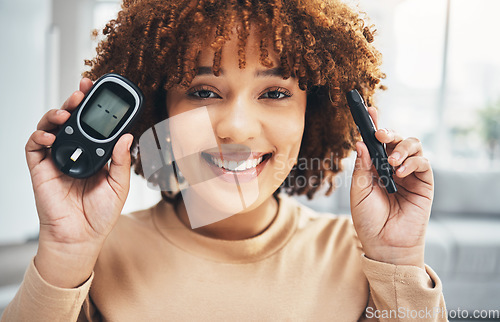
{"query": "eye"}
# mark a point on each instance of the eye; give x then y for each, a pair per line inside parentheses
(276, 94)
(202, 93)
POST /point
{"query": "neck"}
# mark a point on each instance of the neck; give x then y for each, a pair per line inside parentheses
(243, 225)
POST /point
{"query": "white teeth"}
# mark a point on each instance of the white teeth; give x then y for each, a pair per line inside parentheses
(242, 165)
(236, 165)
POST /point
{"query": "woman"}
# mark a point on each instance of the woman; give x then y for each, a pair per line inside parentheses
(261, 79)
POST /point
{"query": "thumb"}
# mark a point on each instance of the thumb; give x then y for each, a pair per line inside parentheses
(119, 169)
(362, 176)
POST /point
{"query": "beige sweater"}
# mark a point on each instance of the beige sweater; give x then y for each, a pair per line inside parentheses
(304, 267)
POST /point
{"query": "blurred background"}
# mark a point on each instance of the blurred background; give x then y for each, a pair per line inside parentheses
(443, 77)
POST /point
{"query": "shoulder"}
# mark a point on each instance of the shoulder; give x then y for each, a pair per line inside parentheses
(309, 219)
(134, 223)
(323, 228)
(131, 235)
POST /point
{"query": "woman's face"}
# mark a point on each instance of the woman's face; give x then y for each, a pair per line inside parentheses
(236, 136)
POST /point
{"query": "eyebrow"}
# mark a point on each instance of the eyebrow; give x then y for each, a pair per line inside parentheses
(277, 72)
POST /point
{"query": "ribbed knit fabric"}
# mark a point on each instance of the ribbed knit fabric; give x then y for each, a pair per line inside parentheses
(304, 267)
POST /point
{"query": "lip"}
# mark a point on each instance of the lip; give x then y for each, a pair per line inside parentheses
(238, 176)
(236, 156)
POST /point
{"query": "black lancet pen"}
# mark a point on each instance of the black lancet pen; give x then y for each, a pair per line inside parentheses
(375, 147)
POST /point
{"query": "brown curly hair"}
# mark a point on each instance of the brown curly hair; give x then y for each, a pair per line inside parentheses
(323, 43)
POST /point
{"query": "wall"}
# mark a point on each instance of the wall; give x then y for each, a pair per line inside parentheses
(42, 61)
(25, 26)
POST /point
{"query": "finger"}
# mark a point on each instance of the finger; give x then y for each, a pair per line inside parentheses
(52, 119)
(389, 137)
(72, 102)
(374, 115)
(408, 147)
(36, 147)
(362, 176)
(119, 169)
(85, 85)
(418, 165)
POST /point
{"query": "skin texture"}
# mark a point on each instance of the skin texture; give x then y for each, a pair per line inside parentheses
(242, 111)
(391, 227)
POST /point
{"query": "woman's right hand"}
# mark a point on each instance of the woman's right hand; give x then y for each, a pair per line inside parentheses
(76, 215)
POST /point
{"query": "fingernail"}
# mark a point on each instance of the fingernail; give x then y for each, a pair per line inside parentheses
(129, 145)
(59, 112)
(401, 169)
(359, 152)
(396, 156)
(389, 133)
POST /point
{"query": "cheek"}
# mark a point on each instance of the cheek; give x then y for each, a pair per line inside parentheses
(191, 132)
(286, 137)
(287, 133)
(175, 102)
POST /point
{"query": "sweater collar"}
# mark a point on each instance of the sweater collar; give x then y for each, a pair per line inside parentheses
(247, 250)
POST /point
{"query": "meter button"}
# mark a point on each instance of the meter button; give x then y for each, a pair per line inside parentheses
(68, 130)
(100, 152)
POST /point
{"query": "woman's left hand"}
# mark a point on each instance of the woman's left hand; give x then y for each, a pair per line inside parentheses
(391, 227)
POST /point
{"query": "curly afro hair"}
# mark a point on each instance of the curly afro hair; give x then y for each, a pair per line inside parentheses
(323, 43)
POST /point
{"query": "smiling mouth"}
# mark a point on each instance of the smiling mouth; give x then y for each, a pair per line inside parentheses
(233, 165)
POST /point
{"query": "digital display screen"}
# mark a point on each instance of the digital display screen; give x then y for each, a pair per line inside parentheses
(105, 112)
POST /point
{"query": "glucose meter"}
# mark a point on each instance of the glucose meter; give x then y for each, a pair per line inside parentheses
(85, 142)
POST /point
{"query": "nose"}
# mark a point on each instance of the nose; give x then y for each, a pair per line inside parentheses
(237, 121)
